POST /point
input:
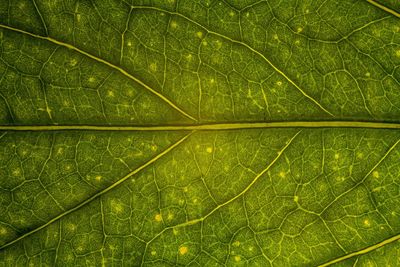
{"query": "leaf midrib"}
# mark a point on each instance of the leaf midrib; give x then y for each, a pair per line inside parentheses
(219, 126)
(209, 126)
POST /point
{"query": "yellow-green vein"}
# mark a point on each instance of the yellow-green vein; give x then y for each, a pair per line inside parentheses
(102, 192)
(208, 127)
(245, 45)
(384, 8)
(105, 62)
(244, 191)
(362, 251)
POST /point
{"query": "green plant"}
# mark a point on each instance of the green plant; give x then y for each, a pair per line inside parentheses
(191, 132)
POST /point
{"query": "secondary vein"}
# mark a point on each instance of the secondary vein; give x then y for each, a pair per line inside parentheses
(243, 192)
(373, 247)
(275, 68)
(362, 251)
(105, 62)
(102, 192)
(384, 8)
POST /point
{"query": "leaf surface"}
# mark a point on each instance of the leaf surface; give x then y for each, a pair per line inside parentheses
(201, 133)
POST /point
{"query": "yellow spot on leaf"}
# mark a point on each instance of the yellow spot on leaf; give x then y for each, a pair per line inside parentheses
(98, 178)
(158, 217)
(189, 57)
(175, 231)
(340, 178)
(218, 43)
(16, 172)
(377, 189)
(299, 29)
(360, 155)
(174, 25)
(71, 226)
(296, 198)
(367, 74)
(153, 253)
(117, 207)
(129, 43)
(236, 243)
(183, 250)
(199, 34)
(375, 174)
(170, 216)
(153, 67)
(237, 258)
(129, 92)
(282, 174)
(275, 36)
(231, 13)
(209, 149)
(110, 93)
(367, 222)
(154, 147)
(3, 231)
(279, 83)
(91, 79)
(73, 62)
(204, 42)
(337, 156)
(398, 53)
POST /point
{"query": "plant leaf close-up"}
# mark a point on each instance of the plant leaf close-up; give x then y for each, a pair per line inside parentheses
(199, 132)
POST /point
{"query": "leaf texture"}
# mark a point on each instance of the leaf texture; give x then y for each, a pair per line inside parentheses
(200, 133)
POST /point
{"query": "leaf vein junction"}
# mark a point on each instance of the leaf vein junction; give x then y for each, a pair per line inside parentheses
(100, 193)
(243, 192)
(245, 45)
(105, 62)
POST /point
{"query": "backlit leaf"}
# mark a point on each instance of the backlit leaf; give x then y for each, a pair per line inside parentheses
(201, 133)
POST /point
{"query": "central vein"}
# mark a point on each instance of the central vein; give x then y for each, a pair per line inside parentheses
(208, 127)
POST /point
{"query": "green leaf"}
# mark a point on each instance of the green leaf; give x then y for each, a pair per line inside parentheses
(202, 133)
